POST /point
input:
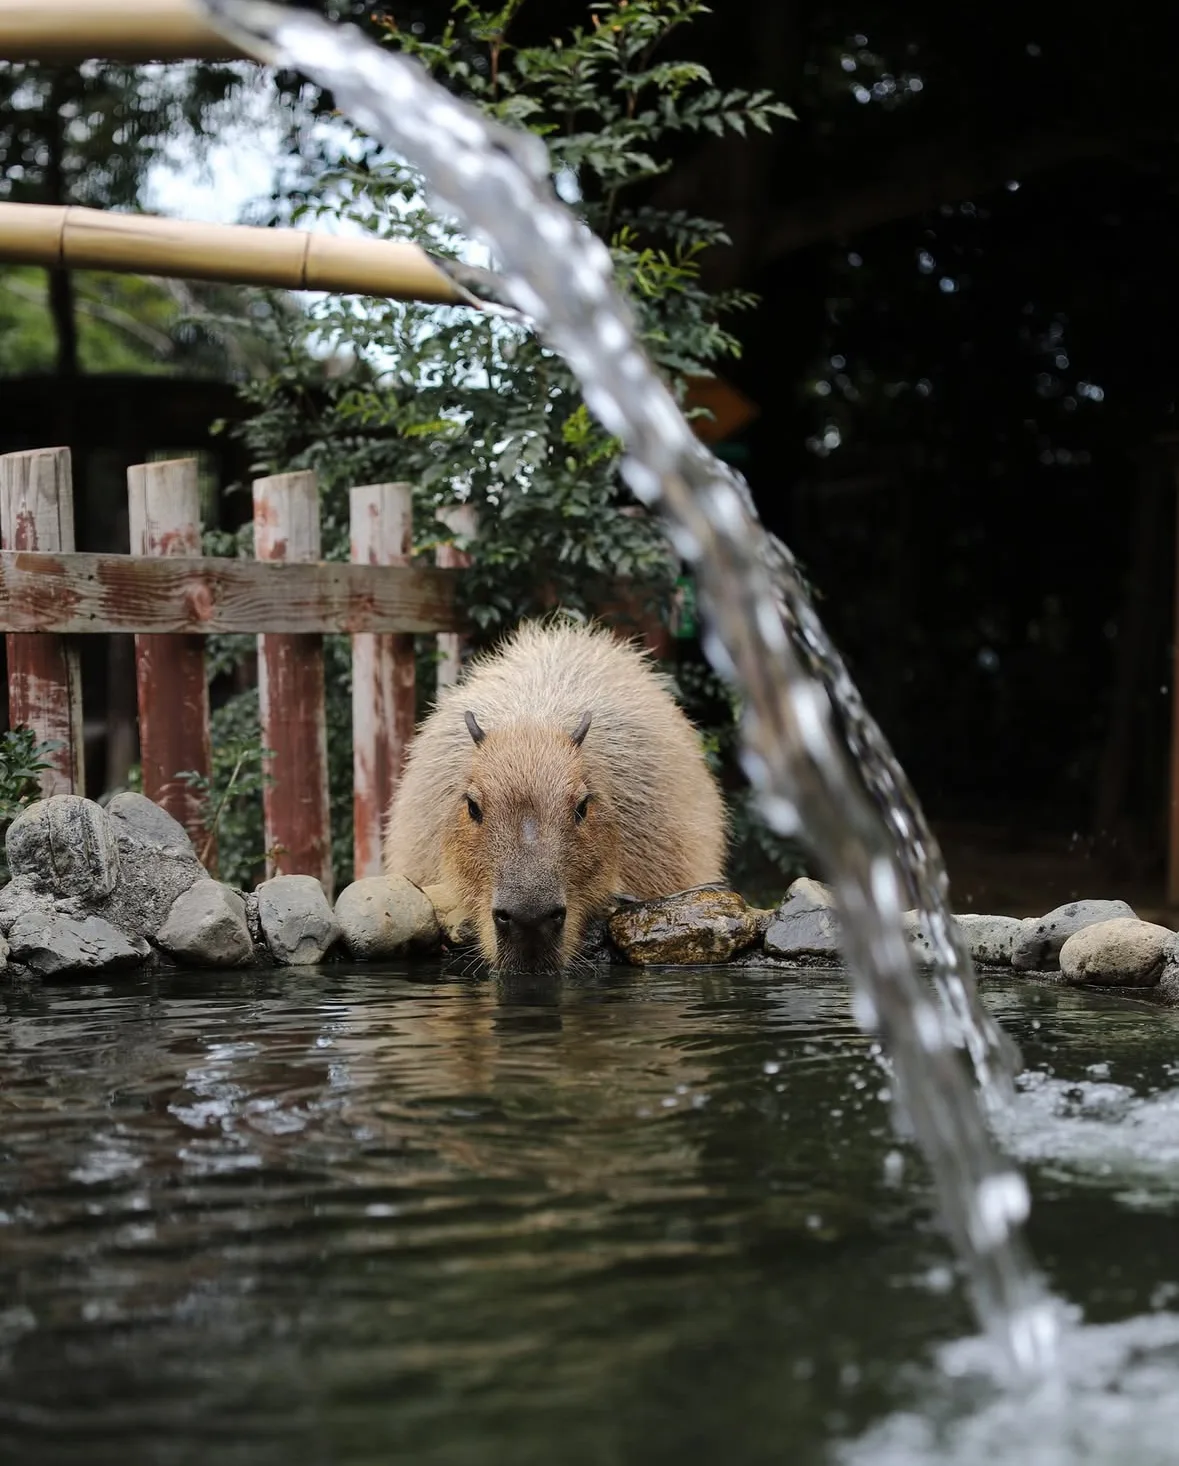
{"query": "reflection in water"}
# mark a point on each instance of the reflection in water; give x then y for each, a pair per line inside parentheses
(801, 714)
(653, 1217)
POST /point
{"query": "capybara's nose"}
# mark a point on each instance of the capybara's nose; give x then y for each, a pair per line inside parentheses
(528, 919)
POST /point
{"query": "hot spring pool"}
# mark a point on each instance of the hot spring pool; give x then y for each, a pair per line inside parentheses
(345, 1217)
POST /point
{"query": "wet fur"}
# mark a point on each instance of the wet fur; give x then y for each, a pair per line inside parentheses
(655, 819)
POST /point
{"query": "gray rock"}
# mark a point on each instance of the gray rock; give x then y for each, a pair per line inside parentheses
(297, 922)
(60, 946)
(1168, 986)
(65, 845)
(764, 918)
(386, 916)
(806, 925)
(456, 930)
(253, 919)
(596, 947)
(138, 818)
(21, 896)
(206, 927)
(157, 864)
(917, 938)
(989, 939)
(1036, 948)
(126, 864)
(1124, 952)
(689, 928)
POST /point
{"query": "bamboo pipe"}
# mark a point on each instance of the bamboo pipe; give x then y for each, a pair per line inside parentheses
(291, 259)
(109, 30)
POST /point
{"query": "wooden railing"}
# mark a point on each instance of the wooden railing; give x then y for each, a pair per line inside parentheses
(170, 597)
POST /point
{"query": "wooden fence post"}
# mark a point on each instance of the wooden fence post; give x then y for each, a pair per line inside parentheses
(44, 681)
(291, 694)
(460, 520)
(164, 512)
(383, 674)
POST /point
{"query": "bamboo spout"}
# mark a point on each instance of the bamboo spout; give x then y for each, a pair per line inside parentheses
(109, 30)
(290, 259)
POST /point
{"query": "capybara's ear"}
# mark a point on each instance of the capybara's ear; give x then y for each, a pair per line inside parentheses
(580, 731)
(474, 729)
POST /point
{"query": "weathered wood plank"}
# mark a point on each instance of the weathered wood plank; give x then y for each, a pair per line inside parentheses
(291, 694)
(70, 594)
(44, 678)
(383, 674)
(461, 520)
(164, 510)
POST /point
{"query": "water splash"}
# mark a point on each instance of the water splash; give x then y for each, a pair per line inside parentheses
(802, 713)
(1115, 1399)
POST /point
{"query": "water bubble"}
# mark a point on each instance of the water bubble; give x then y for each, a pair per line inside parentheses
(938, 1279)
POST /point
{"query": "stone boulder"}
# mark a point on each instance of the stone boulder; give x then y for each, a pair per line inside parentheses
(386, 916)
(1124, 952)
(456, 931)
(989, 939)
(156, 860)
(297, 923)
(805, 927)
(1036, 948)
(704, 926)
(65, 846)
(61, 946)
(206, 927)
(126, 863)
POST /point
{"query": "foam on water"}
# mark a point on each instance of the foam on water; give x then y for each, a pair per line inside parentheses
(1097, 1131)
(1113, 1401)
(1114, 1397)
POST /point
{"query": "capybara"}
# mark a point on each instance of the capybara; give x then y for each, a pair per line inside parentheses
(558, 773)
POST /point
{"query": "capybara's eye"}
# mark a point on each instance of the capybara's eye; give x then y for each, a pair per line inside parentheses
(582, 810)
(474, 811)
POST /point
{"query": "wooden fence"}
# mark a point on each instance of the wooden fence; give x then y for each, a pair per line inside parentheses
(170, 597)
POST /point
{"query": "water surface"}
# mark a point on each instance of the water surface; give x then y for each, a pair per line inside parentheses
(350, 1217)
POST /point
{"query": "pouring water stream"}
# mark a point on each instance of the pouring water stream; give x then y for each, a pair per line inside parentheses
(803, 716)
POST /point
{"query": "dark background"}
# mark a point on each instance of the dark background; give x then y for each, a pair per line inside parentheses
(963, 365)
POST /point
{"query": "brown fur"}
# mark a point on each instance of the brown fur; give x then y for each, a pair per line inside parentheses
(654, 823)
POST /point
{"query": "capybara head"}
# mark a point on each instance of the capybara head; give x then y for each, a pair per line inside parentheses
(533, 847)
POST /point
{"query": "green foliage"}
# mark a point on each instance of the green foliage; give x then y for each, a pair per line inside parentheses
(125, 323)
(231, 799)
(463, 405)
(88, 134)
(468, 407)
(23, 758)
